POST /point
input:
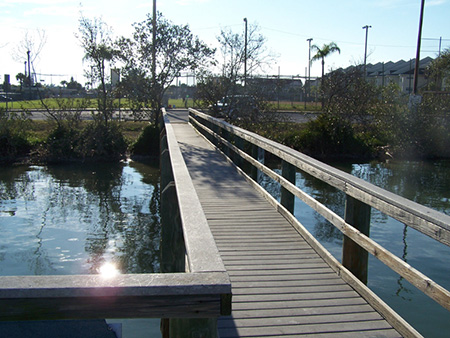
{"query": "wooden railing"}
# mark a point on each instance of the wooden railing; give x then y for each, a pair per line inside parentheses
(361, 196)
(201, 292)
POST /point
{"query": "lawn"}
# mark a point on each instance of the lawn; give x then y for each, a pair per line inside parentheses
(178, 103)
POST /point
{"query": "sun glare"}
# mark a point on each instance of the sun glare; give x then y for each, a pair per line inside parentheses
(108, 270)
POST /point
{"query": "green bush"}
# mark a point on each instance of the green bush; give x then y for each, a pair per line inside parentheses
(63, 143)
(331, 136)
(13, 135)
(148, 142)
(101, 141)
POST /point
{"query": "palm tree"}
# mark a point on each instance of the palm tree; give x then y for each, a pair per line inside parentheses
(322, 53)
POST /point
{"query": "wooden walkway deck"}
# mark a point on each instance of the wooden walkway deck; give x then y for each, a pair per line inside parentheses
(280, 285)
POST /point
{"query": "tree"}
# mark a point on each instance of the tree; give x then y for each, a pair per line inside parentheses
(349, 95)
(95, 38)
(438, 71)
(176, 49)
(27, 51)
(322, 53)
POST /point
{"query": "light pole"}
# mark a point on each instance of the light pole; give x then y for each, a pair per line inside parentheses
(245, 54)
(309, 67)
(366, 27)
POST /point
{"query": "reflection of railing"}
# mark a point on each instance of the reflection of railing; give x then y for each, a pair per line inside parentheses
(361, 196)
(201, 294)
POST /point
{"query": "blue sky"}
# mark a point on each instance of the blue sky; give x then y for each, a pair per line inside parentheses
(286, 24)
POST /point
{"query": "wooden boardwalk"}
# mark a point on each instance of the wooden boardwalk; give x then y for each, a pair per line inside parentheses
(280, 285)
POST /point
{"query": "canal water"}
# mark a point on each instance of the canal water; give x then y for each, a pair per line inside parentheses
(71, 219)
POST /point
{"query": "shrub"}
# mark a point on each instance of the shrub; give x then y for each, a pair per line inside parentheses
(331, 136)
(13, 136)
(148, 142)
(102, 141)
(63, 143)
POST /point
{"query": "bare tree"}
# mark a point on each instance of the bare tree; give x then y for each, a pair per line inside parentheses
(237, 51)
(227, 81)
(95, 38)
(29, 48)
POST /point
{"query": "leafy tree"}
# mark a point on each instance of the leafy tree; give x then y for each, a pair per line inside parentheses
(323, 52)
(176, 49)
(95, 38)
(348, 94)
(439, 71)
(72, 84)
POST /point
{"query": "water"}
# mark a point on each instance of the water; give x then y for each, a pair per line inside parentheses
(71, 219)
(427, 183)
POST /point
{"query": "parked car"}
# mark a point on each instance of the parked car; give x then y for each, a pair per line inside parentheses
(4, 98)
(233, 106)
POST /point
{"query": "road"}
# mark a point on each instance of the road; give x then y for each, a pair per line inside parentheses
(290, 116)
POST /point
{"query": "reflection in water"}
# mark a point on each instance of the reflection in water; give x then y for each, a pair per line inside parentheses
(72, 219)
(402, 289)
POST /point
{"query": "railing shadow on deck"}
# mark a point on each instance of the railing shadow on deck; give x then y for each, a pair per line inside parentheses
(193, 291)
(241, 146)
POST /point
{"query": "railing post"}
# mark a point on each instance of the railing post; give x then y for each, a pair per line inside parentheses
(354, 257)
(192, 327)
(239, 142)
(257, 153)
(287, 198)
(226, 135)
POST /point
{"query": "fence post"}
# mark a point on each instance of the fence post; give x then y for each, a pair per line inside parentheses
(287, 198)
(354, 257)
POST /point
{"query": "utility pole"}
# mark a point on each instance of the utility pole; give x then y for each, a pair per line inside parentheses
(245, 55)
(309, 68)
(153, 45)
(366, 27)
(419, 39)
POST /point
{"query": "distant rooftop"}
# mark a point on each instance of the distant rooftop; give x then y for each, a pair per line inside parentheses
(397, 68)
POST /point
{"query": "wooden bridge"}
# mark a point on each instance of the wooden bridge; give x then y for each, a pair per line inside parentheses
(283, 281)
(235, 261)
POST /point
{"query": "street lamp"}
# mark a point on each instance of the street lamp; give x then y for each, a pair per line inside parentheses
(309, 65)
(366, 27)
(245, 54)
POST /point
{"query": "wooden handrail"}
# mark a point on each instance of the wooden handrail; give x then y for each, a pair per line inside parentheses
(190, 295)
(426, 220)
(431, 222)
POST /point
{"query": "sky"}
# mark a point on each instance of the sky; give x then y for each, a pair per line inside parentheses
(286, 25)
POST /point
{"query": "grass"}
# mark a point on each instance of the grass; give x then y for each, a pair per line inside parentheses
(178, 103)
(40, 129)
